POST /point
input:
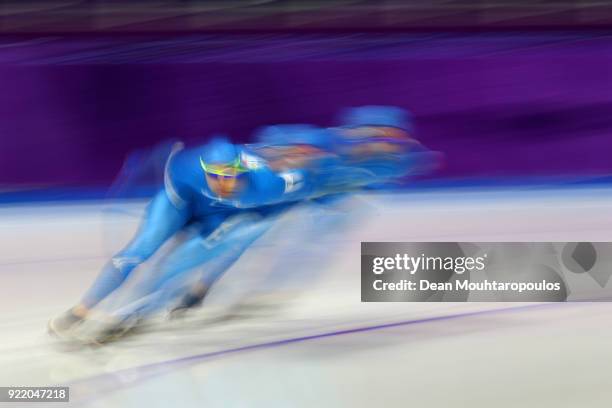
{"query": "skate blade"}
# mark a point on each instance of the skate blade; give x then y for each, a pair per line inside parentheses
(62, 335)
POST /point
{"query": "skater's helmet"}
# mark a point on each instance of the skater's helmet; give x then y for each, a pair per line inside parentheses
(221, 157)
(390, 116)
(220, 161)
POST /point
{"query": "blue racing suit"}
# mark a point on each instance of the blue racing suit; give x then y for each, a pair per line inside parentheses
(226, 226)
(289, 164)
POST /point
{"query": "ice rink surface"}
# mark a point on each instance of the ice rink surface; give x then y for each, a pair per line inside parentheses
(302, 338)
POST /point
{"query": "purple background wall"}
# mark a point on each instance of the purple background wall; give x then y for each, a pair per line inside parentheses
(540, 106)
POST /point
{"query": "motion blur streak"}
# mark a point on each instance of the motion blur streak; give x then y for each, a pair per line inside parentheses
(500, 107)
(514, 98)
(129, 16)
(462, 349)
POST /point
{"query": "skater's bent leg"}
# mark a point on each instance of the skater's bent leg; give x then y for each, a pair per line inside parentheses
(223, 246)
(228, 242)
(162, 220)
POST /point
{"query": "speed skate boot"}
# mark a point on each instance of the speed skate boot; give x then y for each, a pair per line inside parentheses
(63, 325)
(100, 330)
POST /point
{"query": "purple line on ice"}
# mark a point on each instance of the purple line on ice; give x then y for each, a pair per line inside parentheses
(131, 376)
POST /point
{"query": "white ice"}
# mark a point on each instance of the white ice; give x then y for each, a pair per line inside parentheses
(295, 345)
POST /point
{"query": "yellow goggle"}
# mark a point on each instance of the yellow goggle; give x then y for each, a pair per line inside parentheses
(233, 169)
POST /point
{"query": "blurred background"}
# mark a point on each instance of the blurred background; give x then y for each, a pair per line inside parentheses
(509, 91)
(517, 95)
